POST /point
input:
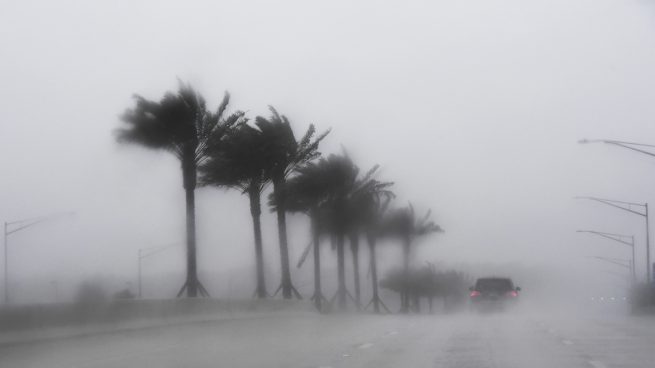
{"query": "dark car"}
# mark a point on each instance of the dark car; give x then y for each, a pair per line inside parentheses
(493, 293)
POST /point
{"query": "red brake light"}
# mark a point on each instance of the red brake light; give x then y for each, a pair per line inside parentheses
(512, 294)
(474, 293)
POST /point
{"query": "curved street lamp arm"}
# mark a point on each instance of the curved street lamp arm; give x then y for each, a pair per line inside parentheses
(611, 236)
(147, 252)
(627, 145)
(613, 261)
(618, 204)
(31, 222)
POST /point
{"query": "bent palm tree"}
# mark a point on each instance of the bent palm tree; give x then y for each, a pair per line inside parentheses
(340, 216)
(402, 223)
(370, 203)
(180, 123)
(308, 193)
(240, 163)
(368, 198)
(342, 174)
(285, 154)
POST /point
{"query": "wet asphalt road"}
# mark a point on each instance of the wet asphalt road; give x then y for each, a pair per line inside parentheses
(307, 340)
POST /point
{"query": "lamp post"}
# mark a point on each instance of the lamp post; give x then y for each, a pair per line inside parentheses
(628, 145)
(619, 238)
(615, 261)
(640, 148)
(629, 207)
(16, 226)
(147, 252)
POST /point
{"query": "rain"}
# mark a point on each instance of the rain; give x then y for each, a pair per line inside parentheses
(327, 184)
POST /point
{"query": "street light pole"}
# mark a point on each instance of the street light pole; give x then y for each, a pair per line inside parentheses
(619, 238)
(139, 283)
(6, 275)
(637, 147)
(616, 261)
(18, 226)
(627, 206)
(628, 145)
(147, 252)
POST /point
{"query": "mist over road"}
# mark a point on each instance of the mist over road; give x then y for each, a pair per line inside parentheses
(307, 340)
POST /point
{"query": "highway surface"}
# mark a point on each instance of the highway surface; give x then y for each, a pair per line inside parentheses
(525, 340)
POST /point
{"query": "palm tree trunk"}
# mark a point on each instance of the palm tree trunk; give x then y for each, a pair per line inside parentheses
(280, 196)
(417, 303)
(189, 177)
(405, 301)
(354, 247)
(318, 294)
(341, 291)
(374, 273)
(256, 211)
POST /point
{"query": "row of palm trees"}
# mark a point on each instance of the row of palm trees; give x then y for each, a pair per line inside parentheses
(222, 149)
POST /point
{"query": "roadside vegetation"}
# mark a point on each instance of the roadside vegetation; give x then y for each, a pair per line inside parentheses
(226, 148)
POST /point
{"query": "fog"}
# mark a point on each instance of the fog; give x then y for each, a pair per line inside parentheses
(473, 109)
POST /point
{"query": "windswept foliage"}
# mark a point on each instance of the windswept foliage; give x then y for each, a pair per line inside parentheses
(403, 224)
(180, 123)
(240, 162)
(285, 154)
(427, 282)
(340, 202)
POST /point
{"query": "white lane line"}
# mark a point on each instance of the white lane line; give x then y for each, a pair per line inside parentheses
(365, 345)
(567, 342)
(119, 357)
(596, 364)
(389, 333)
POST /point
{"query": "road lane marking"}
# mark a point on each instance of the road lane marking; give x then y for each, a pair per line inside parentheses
(567, 342)
(596, 364)
(365, 346)
(389, 333)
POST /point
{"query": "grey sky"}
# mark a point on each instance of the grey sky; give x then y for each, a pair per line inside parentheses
(473, 108)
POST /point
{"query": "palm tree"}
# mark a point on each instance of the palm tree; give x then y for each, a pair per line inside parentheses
(285, 154)
(337, 196)
(181, 124)
(353, 238)
(341, 174)
(241, 163)
(308, 192)
(369, 204)
(404, 224)
(366, 199)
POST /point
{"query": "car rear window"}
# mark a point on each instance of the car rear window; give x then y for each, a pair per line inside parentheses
(494, 284)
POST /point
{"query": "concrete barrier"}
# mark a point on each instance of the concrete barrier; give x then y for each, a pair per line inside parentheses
(30, 317)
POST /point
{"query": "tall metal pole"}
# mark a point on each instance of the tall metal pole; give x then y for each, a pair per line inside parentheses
(139, 274)
(634, 147)
(6, 272)
(619, 238)
(634, 271)
(648, 266)
(18, 226)
(627, 206)
(147, 252)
